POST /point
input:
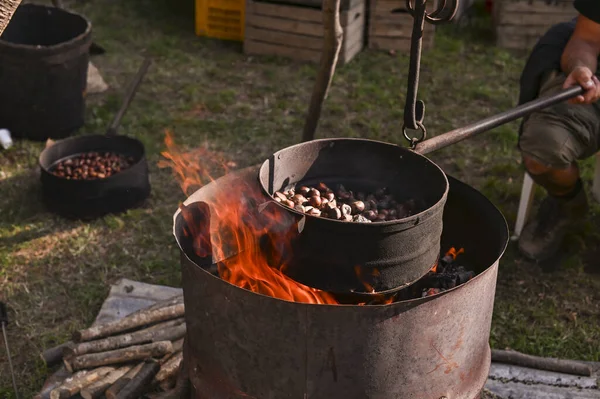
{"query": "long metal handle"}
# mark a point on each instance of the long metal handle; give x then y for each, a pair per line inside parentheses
(462, 133)
(114, 126)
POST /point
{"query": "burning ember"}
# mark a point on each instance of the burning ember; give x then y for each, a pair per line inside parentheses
(250, 239)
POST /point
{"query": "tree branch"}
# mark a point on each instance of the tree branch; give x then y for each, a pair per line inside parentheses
(332, 43)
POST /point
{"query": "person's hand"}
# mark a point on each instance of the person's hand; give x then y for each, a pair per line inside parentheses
(583, 77)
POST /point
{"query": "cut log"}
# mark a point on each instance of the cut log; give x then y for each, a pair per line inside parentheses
(119, 356)
(177, 347)
(62, 376)
(131, 322)
(167, 331)
(98, 388)
(114, 389)
(333, 36)
(166, 324)
(54, 381)
(140, 383)
(177, 299)
(7, 9)
(53, 356)
(541, 363)
(170, 368)
(73, 385)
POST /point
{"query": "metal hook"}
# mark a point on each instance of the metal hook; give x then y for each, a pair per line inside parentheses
(414, 109)
(445, 11)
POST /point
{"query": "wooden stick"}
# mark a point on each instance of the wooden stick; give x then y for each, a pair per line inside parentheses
(332, 43)
(170, 368)
(130, 322)
(53, 356)
(74, 384)
(98, 388)
(541, 363)
(124, 355)
(140, 383)
(166, 331)
(174, 300)
(121, 382)
(7, 9)
(166, 324)
(177, 347)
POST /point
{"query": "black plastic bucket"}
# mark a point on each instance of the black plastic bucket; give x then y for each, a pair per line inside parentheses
(44, 56)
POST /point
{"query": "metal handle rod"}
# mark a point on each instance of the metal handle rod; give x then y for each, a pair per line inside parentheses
(465, 132)
(10, 365)
(114, 125)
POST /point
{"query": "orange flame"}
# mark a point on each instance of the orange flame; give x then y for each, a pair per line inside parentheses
(454, 253)
(251, 244)
(192, 168)
(434, 268)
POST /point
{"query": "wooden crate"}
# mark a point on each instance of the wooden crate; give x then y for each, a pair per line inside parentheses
(519, 24)
(296, 32)
(390, 26)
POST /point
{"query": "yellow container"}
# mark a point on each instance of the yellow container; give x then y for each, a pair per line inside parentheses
(221, 19)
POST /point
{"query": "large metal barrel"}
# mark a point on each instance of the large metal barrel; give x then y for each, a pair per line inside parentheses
(44, 57)
(241, 344)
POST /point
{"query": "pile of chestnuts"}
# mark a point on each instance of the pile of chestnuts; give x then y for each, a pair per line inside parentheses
(345, 205)
(92, 165)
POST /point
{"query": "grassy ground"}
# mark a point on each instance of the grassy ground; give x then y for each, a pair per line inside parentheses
(54, 274)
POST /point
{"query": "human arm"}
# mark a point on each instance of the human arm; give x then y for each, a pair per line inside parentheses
(580, 60)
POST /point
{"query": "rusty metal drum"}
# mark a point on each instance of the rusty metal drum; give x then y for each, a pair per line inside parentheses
(242, 344)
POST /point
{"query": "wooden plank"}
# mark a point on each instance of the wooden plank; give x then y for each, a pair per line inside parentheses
(534, 6)
(295, 13)
(356, 14)
(285, 25)
(385, 7)
(300, 54)
(351, 37)
(260, 48)
(386, 30)
(391, 43)
(283, 38)
(398, 19)
(352, 52)
(354, 35)
(545, 19)
(511, 30)
(317, 4)
(378, 28)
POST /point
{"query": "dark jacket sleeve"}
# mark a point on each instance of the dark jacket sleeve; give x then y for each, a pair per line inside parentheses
(544, 58)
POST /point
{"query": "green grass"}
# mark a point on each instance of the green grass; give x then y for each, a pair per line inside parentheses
(54, 274)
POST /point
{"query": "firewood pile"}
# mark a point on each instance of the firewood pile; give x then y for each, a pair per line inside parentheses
(137, 356)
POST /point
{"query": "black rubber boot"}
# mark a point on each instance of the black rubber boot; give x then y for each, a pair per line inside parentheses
(543, 235)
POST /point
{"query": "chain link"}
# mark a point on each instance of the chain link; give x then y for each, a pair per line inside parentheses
(414, 110)
(415, 140)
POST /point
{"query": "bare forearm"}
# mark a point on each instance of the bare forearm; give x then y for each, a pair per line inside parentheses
(579, 53)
